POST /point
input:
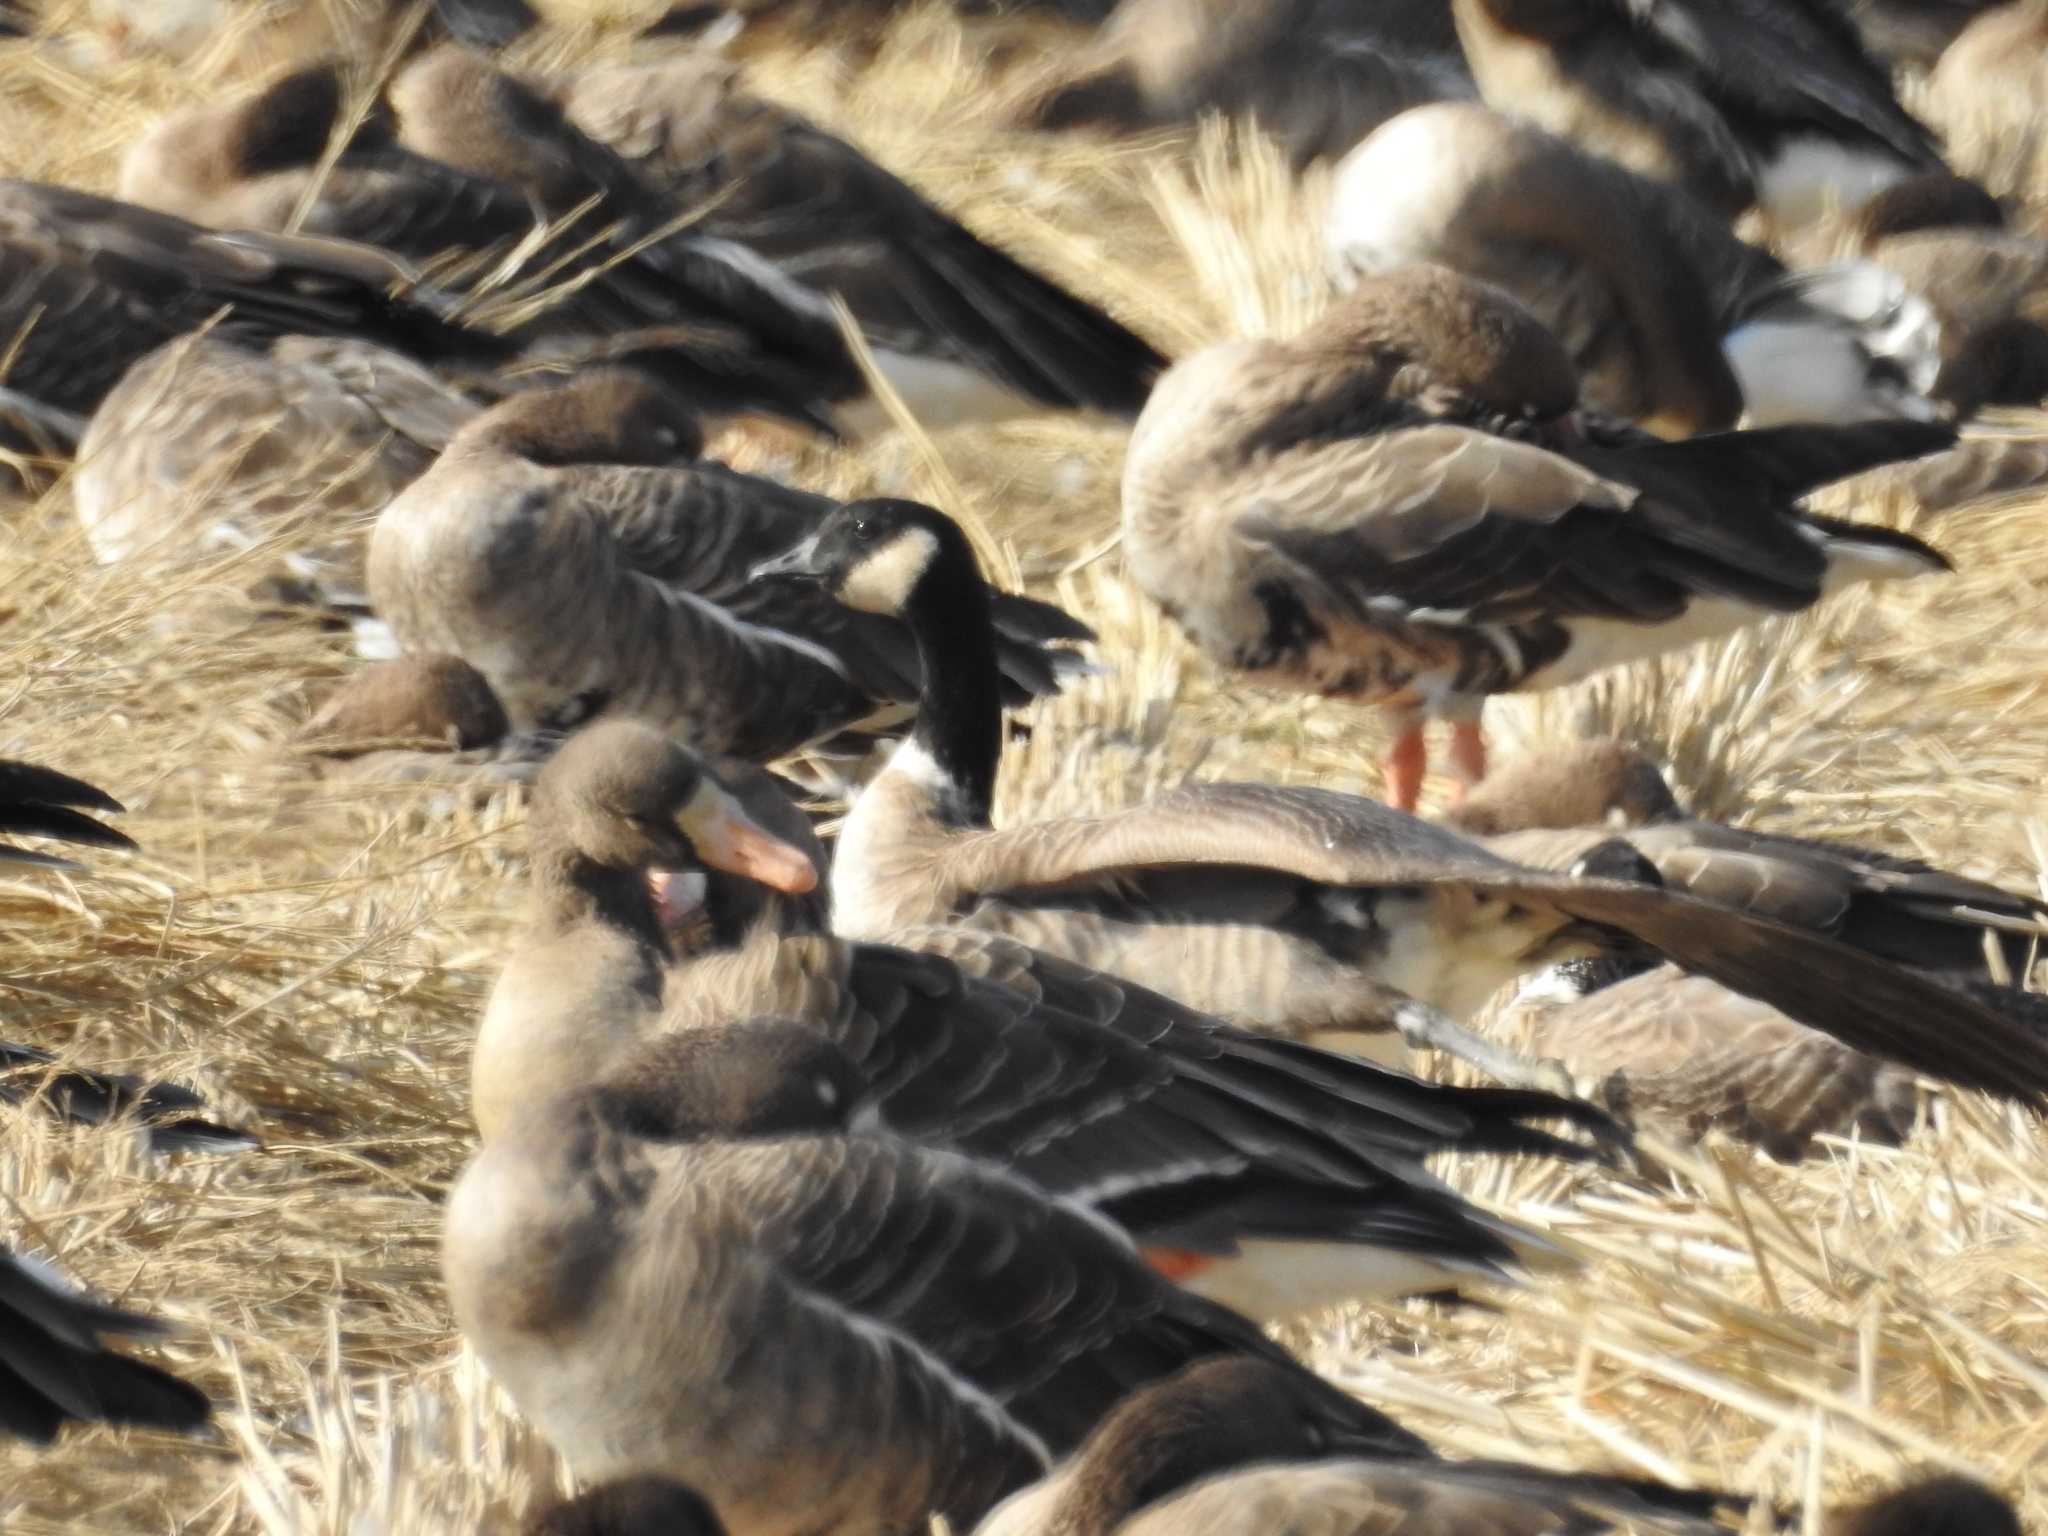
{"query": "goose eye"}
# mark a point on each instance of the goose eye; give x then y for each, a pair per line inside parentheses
(827, 1090)
(863, 530)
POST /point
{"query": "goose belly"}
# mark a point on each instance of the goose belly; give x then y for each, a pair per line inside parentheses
(1807, 177)
(1453, 959)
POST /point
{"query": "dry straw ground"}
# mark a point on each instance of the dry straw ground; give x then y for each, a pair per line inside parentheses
(313, 957)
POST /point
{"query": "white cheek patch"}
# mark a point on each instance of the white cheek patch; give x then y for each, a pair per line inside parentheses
(882, 583)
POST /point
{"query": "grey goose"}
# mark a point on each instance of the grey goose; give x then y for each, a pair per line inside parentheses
(963, 330)
(1273, 1177)
(571, 548)
(1551, 808)
(1302, 911)
(1771, 102)
(1405, 504)
(211, 445)
(1234, 1447)
(708, 1268)
(1689, 1056)
(55, 1370)
(253, 161)
(106, 283)
(1318, 75)
(1681, 327)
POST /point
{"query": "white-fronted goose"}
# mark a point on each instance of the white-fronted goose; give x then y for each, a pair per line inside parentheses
(1234, 1447)
(706, 1269)
(1405, 504)
(166, 1113)
(1319, 75)
(631, 1506)
(1315, 914)
(564, 546)
(55, 1371)
(1551, 809)
(424, 717)
(963, 330)
(210, 445)
(90, 286)
(1681, 327)
(252, 162)
(1274, 1178)
(1692, 1056)
(1772, 102)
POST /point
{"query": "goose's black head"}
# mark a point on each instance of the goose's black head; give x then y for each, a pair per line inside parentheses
(878, 556)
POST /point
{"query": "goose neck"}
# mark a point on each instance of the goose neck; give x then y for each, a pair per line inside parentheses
(958, 735)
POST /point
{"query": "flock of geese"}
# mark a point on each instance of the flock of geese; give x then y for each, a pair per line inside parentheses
(952, 1171)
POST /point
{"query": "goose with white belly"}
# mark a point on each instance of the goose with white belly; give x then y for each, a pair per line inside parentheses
(1681, 327)
(1275, 1178)
(1771, 102)
(1406, 505)
(1320, 916)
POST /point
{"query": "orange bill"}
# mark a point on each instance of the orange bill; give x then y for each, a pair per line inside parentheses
(727, 838)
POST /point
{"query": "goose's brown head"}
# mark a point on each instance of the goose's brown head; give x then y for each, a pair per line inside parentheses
(410, 701)
(288, 124)
(750, 1078)
(1585, 784)
(1934, 200)
(454, 105)
(1232, 1411)
(622, 796)
(1447, 341)
(598, 416)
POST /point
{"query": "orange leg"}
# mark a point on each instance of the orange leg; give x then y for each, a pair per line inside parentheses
(1407, 760)
(1468, 754)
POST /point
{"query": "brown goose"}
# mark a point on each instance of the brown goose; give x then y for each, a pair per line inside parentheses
(1234, 1447)
(1681, 327)
(425, 716)
(963, 330)
(1771, 102)
(90, 286)
(1405, 504)
(1275, 1178)
(708, 1269)
(55, 1371)
(567, 548)
(1689, 1054)
(631, 1506)
(1313, 914)
(1550, 809)
(252, 162)
(210, 444)
(1317, 74)
(1946, 238)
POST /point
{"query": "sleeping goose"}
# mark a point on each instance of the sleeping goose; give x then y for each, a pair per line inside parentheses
(1404, 504)
(1550, 809)
(1945, 238)
(423, 717)
(1689, 1055)
(90, 286)
(1681, 327)
(55, 1371)
(213, 443)
(1318, 75)
(1301, 911)
(566, 546)
(1772, 102)
(254, 161)
(1276, 1179)
(963, 330)
(710, 1268)
(1234, 1447)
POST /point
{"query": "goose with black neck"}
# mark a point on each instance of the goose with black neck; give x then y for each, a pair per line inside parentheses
(1321, 917)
